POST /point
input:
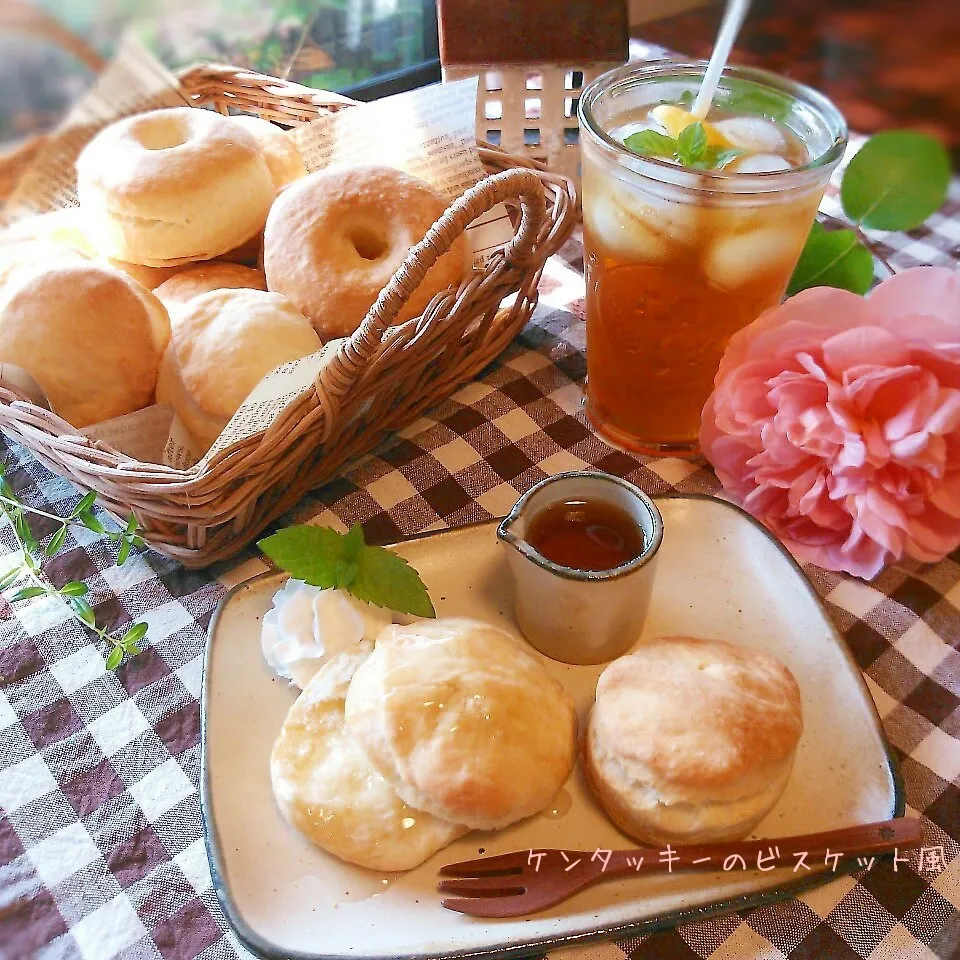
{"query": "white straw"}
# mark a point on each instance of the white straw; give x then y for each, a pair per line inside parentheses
(732, 20)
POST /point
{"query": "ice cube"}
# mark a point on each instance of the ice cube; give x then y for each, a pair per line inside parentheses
(636, 126)
(621, 233)
(734, 259)
(753, 134)
(759, 163)
(671, 219)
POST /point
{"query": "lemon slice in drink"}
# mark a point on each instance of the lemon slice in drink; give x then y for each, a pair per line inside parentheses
(675, 119)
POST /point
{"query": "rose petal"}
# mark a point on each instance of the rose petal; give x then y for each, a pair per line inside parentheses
(929, 291)
(946, 497)
(932, 535)
(863, 345)
(946, 417)
(816, 313)
(881, 392)
(880, 519)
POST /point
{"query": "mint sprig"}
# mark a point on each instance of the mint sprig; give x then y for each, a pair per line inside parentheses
(326, 559)
(690, 148)
(896, 180)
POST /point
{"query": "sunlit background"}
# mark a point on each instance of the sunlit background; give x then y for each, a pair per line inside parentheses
(332, 44)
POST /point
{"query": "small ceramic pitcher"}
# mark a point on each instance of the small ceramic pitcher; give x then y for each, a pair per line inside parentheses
(581, 616)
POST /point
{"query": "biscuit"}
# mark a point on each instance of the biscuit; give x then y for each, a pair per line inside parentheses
(692, 741)
(326, 788)
(88, 334)
(222, 344)
(463, 722)
(212, 275)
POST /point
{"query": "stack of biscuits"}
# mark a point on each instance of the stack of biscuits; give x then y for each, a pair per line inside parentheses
(394, 750)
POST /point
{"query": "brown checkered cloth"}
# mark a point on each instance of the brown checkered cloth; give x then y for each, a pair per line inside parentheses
(101, 847)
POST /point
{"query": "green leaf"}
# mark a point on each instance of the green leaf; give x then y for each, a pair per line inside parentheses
(746, 97)
(353, 542)
(832, 259)
(138, 542)
(691, 144)
(716, 158)
(75, 588)
(132, 649)
(91, 522)
(83, 610)
(131, 524)
(134, 634)
(6, 490)
(56, 542)
(86, 502)
(22, 526)
(28, 593)
(325, 558)
(896, 180)
(10, 577)
(115, 658)
(687, 98)
(723, 157)
(123, 553)
(650, 143)
(307, 553)
(387, 580)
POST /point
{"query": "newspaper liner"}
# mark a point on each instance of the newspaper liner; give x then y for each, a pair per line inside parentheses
(428, 133)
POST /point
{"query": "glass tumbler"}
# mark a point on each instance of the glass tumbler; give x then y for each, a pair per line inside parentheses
(677, 259)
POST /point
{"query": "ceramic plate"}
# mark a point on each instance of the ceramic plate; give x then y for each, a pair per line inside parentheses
(720, 574)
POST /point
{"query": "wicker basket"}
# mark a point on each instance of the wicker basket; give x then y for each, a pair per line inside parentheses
(379, 381)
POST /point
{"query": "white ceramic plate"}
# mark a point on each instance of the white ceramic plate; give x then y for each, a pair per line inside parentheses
(720, 574)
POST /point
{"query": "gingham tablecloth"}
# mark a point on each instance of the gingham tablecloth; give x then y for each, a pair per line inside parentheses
(101, 848)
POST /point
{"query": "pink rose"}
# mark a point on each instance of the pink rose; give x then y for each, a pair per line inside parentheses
(836, 421)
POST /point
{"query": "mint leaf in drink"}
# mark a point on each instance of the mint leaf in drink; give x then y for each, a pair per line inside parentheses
(650, 143)
(743, 97)
(686, 99)
(834, 258)
(324, 558)
(387, 580)
(725, 156)
(896, 180)
(716, 158)
(691, 144)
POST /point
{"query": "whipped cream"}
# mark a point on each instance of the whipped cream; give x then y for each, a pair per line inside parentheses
(306, 626)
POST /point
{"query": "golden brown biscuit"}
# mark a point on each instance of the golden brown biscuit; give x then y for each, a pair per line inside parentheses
(172, 186)
(692, 740)
(279, 151)
(223, 344)
(334, 239)
(463, 722)
(192, 281)
(326, 788)
(89, 335)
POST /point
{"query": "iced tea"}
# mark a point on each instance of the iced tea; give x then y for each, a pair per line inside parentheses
(680, 258)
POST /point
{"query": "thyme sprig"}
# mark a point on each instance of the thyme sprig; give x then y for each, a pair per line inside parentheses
(28, 576)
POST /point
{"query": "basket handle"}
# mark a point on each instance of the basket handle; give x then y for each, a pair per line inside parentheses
(511, 184)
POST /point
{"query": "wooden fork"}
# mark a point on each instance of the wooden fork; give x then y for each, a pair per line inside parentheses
(515, 884)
